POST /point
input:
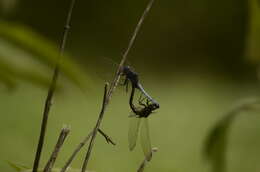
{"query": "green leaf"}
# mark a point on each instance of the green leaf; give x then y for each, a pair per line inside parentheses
(253, 36)
(11, 73)
(7, 80)
(23, 42)
(215, 146)
(17, 167)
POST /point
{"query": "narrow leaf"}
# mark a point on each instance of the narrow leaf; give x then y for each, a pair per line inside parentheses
(215, 146)
(43, 51)
(17, 167)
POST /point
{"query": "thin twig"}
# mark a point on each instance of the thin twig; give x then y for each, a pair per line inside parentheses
(51, 90)
(131, 42)
(114, 84)
(63, 135)
(95, 130)
(143, 164)
(108, 139)
(81, 144)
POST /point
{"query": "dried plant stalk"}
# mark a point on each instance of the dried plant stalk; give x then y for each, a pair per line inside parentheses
(48, 101)
(63, 135)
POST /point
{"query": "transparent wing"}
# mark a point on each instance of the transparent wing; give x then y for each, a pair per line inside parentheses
(133, 131)
(145, 139)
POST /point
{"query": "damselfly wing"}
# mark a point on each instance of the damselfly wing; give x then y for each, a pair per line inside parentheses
(145, 139)
(133, 132)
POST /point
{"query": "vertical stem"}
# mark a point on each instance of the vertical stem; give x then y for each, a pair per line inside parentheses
(51, 90)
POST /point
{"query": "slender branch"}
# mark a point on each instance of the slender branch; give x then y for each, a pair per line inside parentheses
(130, 44)
(51, 90)
(81, 144)
(143, 164)
(114, 84)
(139, 24)
(63, 135)
(95, 130)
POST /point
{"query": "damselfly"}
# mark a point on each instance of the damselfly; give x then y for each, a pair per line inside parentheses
(139, 116)
(133, 77)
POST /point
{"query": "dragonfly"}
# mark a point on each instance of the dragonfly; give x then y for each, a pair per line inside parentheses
(139, 114)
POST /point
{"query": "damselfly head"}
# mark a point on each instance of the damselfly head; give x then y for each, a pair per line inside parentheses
(155, 105)
(126, 70)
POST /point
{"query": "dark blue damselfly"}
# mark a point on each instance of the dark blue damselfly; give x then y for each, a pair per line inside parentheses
(139, 114)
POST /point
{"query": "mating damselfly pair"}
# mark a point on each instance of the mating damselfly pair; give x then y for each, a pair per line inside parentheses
(140, 113)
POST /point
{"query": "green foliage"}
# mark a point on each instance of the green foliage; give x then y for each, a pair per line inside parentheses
(215, 147)
(18, 167)
(216, 143)
(22, 168)
(11, 73)
(22, 51)
(253, 38)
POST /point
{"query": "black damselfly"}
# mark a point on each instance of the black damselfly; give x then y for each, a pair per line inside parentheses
(139, 117)
(133, 77)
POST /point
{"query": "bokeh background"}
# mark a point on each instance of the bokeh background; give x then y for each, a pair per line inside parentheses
(196, 58)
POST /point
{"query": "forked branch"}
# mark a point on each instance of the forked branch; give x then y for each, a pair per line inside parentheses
(81, 144)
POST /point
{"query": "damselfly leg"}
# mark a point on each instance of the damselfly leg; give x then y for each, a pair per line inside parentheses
(141, 99)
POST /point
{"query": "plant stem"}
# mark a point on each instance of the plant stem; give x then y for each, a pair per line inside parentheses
(130, 44)
(51, 90)
(63, 135)
(114, 83)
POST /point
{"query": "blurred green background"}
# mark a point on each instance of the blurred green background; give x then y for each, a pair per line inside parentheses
(196, 58)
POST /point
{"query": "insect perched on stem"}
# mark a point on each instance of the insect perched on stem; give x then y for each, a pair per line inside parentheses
(139, 114)
(133, 77)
